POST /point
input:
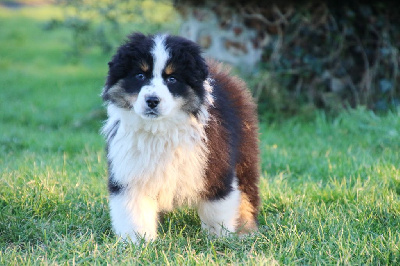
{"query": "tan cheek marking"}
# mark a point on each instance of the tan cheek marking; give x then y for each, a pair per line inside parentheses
(116, 89)
(117, 93)
(133, 98)
(169, 69)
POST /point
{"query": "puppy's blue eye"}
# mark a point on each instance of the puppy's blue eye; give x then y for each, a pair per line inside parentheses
(171, 80)
(140, 76)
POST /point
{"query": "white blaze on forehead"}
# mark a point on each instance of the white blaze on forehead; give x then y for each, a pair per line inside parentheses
(157, 87)
(160, 54)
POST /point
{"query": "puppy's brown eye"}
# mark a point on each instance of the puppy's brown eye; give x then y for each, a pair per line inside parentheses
(171, 80)
(140, 76)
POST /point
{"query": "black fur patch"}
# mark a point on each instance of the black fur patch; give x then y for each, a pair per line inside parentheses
(230, 120)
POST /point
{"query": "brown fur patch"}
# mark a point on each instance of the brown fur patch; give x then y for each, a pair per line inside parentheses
(169, 69)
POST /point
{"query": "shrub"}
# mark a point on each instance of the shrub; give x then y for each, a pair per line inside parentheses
(331, 56)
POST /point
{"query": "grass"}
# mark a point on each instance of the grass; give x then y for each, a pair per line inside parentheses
(330, 186)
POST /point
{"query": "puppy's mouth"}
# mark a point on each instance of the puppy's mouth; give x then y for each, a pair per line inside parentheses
(151, 114)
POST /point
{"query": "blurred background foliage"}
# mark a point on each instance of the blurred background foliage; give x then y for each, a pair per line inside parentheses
(105, 23)
(329, 55)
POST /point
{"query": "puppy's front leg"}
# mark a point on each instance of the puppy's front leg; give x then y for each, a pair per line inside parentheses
(134, 217)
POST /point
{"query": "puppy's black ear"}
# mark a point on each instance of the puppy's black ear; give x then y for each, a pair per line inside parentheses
(104, 94)
(202, 67)
(137, 38)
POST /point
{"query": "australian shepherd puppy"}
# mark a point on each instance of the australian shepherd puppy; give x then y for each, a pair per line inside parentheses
(180, 132)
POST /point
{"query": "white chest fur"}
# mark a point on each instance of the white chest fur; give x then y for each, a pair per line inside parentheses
(163, 159)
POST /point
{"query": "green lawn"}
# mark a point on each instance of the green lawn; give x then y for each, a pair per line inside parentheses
(330, 186)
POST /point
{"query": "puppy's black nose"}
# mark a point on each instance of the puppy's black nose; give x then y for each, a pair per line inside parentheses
(152, 101)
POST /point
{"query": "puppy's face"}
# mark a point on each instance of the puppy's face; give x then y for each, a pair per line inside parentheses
(156, 76)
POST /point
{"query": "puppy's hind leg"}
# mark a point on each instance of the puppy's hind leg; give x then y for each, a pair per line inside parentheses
(220, 217)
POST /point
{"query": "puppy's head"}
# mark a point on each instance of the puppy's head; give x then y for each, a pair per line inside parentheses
(156, 76)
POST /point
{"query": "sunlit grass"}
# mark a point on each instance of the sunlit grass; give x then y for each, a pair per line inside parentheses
(330, 187)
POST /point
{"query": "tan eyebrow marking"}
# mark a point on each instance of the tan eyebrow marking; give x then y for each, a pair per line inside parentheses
(144, 66)
(169, 69)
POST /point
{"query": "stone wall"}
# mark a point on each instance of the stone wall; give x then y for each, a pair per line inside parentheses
(223, 35)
